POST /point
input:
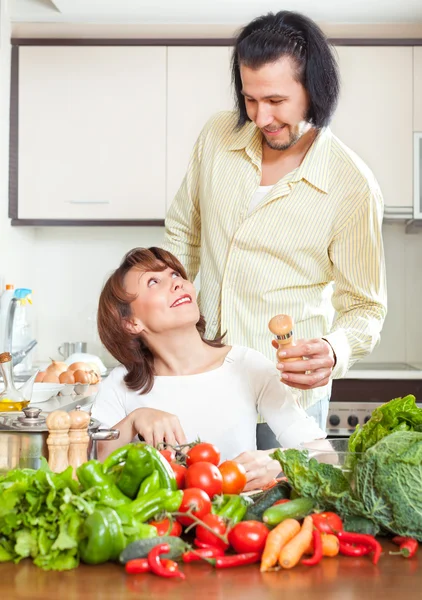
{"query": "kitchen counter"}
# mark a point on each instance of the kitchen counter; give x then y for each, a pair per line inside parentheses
(68, 403)
(334, 578)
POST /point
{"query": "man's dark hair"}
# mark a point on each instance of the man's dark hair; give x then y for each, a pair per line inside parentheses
(290, 34)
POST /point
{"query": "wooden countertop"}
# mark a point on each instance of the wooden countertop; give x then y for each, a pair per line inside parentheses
(339, 578)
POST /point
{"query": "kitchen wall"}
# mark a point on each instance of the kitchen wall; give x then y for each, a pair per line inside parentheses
(15, 245)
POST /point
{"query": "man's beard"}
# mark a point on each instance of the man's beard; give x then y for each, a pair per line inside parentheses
(293, 138)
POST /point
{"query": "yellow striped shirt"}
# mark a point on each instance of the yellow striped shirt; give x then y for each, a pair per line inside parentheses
(312, 248)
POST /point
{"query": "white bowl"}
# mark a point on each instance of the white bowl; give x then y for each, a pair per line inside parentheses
(42, 392)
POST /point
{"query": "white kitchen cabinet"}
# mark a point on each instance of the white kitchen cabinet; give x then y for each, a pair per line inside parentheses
(92, 133)
(198, 87)
(417, 88)
(374, 117)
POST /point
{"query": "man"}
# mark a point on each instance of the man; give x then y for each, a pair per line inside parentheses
(280, 216)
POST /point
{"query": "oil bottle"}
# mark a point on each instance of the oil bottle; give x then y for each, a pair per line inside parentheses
(11, 399)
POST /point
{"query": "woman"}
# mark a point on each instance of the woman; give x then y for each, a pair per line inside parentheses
(175, 386)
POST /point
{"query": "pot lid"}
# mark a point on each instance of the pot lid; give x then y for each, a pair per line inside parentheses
(29, 420)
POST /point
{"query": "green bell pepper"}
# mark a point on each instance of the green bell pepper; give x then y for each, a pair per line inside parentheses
(152, 504)
(149, 484)
(103, 537)
(139, 531)
(138, 466)
(232, 507)
(167, 478)
(91, 475)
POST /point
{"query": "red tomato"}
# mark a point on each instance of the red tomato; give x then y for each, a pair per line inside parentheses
(205, 476)
(197, 501)
(281, 501)
(180, 474)
(203, 452)
(163, 527)
(234, 477)
(217, 524)
(248, 536)
(168, 454)
(327, 522)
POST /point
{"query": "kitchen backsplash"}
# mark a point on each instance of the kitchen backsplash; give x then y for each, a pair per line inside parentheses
(67, 267)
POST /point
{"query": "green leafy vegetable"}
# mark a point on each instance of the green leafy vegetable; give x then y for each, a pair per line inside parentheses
(400, 414)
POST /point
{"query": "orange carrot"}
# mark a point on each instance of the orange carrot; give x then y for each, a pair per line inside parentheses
(292, 552)
(330, 545)
(277, 538)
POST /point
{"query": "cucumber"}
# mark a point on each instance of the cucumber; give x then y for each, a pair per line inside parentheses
(141, 548)
(295, 509)
(281, 491)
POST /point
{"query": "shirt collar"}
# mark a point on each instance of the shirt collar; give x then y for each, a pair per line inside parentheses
(314, 167)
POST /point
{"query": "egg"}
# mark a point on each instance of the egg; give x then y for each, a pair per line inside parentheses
(67, 377)
(81, 376)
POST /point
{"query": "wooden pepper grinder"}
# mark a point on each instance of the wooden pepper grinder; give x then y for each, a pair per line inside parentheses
(78, 438)
(58, 423)
(282, 327)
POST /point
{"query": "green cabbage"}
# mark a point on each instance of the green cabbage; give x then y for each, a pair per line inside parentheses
(384, 485)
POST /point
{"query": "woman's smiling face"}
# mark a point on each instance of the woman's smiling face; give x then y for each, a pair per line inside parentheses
(164, 300)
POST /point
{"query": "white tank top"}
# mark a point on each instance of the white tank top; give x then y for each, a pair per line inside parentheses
(260, 193)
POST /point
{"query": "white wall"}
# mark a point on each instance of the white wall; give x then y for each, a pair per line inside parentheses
(15, 244)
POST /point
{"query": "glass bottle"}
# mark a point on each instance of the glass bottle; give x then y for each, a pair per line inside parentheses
(11, 399)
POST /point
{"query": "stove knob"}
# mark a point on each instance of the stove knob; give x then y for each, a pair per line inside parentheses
(334, 420)
(366, 419)
(353, 421)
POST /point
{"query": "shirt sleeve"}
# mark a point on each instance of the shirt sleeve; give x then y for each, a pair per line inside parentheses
(183, 220)
(360, 291)
(275, 402)
(109, 406)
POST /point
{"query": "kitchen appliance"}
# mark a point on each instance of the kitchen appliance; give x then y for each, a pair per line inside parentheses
(365, 387)
(23, 438)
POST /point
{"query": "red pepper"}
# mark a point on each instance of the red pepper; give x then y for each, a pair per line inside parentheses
(235, 560)
(408, 546)
(317, 545)
(141, 565)
(137, 565)
(354, 550)
(200, 544)
(160, 568)
(201, 554)
(364, 540)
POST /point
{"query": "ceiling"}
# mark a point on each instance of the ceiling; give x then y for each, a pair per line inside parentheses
(211, 11)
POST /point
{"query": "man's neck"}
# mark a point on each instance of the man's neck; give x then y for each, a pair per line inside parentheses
(295, 153)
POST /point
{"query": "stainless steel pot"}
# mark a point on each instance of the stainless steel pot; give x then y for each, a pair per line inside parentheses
(23, 438)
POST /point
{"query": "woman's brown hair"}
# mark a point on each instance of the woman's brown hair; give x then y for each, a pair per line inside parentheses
(114, 308)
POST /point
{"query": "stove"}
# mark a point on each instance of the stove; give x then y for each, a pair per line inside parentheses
(354, 399)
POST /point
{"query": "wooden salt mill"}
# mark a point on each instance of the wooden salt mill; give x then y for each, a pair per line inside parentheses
(282, 327)
(78, 438)
(58, 423)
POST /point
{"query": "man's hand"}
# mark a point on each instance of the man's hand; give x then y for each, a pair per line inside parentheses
(260, 468)
(157, 426)
(312, 372)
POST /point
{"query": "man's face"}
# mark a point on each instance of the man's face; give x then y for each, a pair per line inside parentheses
(276, 102)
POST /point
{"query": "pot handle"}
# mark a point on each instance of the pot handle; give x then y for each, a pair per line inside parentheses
(103, 435)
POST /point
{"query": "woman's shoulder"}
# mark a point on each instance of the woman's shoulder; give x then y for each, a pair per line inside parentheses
(252, 359)
(115, 377)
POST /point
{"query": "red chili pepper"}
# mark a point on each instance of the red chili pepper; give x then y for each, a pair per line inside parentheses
(137, 565)
(201, 554)
(317, 555)
(354, 550)
(200, 544)
(235, 560)
(158, 567)
(364, 540)
(408, 546)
